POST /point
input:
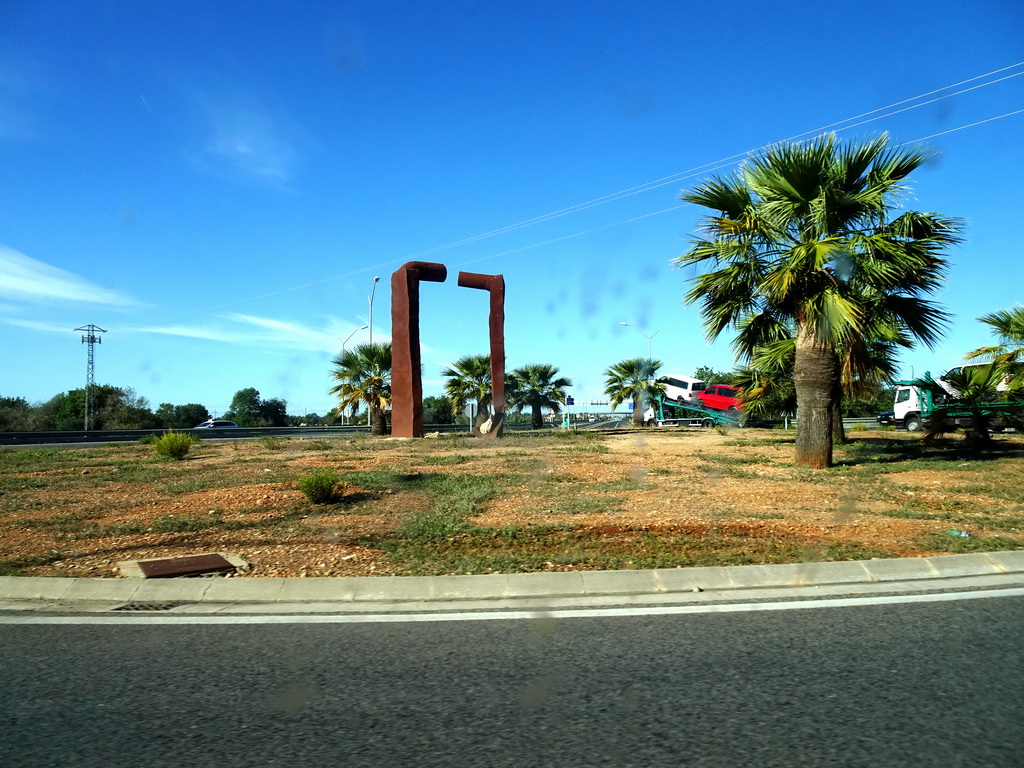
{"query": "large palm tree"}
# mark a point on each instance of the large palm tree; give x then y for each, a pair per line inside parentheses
(633, 379)
(469, 378)
(363, 374)
(802, 238)
(536, 387)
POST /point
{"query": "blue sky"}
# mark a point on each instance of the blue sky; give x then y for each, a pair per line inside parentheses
(217, 184)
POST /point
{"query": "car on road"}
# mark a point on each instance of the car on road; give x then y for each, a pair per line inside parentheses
(216, 424)
(721, 397)
(888, 419)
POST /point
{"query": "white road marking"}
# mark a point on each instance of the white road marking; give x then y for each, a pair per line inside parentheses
(566, 613)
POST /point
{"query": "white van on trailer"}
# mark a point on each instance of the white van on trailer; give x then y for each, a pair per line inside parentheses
(680, 388)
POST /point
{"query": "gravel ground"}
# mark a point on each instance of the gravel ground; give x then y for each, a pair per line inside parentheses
(689, 481)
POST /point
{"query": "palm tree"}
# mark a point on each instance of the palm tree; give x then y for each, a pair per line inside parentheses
(633, 379)
(537, 387)
(469, 378)
(865, 364)
(801, 242)
(363, 374)
(1008, 326)
(979, 399)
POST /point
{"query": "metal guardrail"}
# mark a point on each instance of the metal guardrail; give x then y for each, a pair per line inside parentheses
(230, 433)
(242, 433)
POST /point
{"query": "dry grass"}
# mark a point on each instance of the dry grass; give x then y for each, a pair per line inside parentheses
(543, 502)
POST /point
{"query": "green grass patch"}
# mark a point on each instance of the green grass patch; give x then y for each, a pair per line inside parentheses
(147, 471)
(759, 442)
(947, 542)
(1007, 488)
(72, 522)
(446, 460)
(196, 484)
(16, 566)
(180, 524)
(272, 443)
(622, 484)
(726, 470)
(584, 448)
(316, 444)
(587, 505)
(41, 460)
(544, 548)
(730, 460)
(985, 518)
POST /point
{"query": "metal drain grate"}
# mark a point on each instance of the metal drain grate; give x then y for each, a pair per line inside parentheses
(151, 605)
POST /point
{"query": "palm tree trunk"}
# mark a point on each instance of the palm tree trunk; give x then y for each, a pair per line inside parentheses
(536, 417)
(838, 430)
(483, 413)
(814, 374)
(378, 427)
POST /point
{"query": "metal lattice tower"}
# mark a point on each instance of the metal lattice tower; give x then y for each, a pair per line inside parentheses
(91, 337)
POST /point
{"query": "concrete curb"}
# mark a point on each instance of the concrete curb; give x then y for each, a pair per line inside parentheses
(385, 589)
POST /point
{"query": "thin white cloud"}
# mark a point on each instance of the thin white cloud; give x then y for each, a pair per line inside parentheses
(25, 279)
(38, 326)
(247, 138)
(266, 332)
(292, 335)
(191, 332)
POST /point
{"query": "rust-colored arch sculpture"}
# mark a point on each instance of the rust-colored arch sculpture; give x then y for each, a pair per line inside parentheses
(406, 380)
(495, 284)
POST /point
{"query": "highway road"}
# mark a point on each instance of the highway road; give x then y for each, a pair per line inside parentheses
(916, 684)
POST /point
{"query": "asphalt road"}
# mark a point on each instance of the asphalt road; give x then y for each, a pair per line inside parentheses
(906, 685)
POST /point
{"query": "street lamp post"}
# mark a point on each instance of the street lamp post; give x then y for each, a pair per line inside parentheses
(373, 290)
(357, 330)
(649, 355)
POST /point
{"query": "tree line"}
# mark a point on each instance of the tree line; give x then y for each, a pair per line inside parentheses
(112, 407)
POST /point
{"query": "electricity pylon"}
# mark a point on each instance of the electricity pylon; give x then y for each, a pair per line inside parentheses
(90, 337)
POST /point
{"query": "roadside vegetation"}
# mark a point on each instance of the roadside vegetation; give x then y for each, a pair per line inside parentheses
(539, 501)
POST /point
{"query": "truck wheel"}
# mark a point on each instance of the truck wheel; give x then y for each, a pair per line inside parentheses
(913, 423)
(707, 423)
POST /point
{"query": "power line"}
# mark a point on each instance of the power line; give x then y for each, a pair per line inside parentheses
(665, 180)
(685, 205)
(705, 168)
(971, 125)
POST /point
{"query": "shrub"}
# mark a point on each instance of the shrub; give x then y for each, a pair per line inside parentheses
(859, 428)
(322, 486)
(148, 439)
(273, 443)
(174, 445)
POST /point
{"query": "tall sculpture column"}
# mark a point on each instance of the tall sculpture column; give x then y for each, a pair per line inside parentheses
(495, 284)
(406, 380)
